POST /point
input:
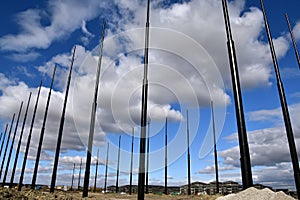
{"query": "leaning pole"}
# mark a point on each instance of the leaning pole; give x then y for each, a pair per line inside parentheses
(3, 139)
(215, 146)
(242, 134)
(166, 156)
(147, 167)
(61, 126)
(293, 39)
(284, 107)
(72, 183)
(96, 173)
(42, 134)
(118, 166)
(106, 168)
(188, 152)
(92, 123)
(19, 144)
(7, 142)
(12, 144)
(29, 139)
(141, 178)
(131, 162)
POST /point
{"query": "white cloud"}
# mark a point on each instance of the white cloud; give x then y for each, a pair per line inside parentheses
(65, 17)
(296, 31)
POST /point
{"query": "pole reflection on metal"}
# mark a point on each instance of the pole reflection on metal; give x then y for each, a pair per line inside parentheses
(19, 144)
(28, 140)
(92, 124)
(284, 107)
(242, 134)
(293, 39)
(61, 126)
(141, 178)
(12, 144)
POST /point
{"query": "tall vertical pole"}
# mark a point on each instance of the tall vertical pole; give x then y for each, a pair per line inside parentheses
(131, 162)
(284, 107)
(215, 147)
(42, 134)
(29, 139)
(19, 144)
(2, 145)
(106, 168)
(73, 177)
(79, 174)
(7, 142)
(166, 156)
(12, 144)
(147, 167)
(141, 179)
(61, 127)
(188, 152)
(92, 124)
(118, 167)
(1, 138)
(242, 134)
(96, 173)
(293, 39)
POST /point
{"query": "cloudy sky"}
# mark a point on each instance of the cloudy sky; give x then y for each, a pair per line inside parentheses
(188, 67)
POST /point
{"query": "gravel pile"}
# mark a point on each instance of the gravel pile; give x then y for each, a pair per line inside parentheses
(255, 194)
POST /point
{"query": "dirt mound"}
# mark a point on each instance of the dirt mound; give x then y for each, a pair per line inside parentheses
(254, 194)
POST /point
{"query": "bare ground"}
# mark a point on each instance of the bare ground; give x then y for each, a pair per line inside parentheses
(6, 193)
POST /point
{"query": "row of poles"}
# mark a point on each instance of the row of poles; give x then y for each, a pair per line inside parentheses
(242, 135)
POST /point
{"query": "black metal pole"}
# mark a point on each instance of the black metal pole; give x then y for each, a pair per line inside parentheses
(12, 144)
(29, 139)
(131, 162)
(188, 153)
(1, 137)
(106, 168)
(61, 127)
(42, 134)
(166, 156)
(141, 178)
(96, 173)
(215, 147)
(293, 39)
(284, 107)
(7, 142)
(73, 174)
(147, 167)
(242, 134)
(19, 144)
(2, 145)
(79, 174)
(118, 167)
(92, 124)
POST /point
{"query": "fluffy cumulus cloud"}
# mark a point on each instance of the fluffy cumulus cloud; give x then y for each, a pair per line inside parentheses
(269, 149)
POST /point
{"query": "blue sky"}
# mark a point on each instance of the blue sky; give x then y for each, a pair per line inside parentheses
(188, 67)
